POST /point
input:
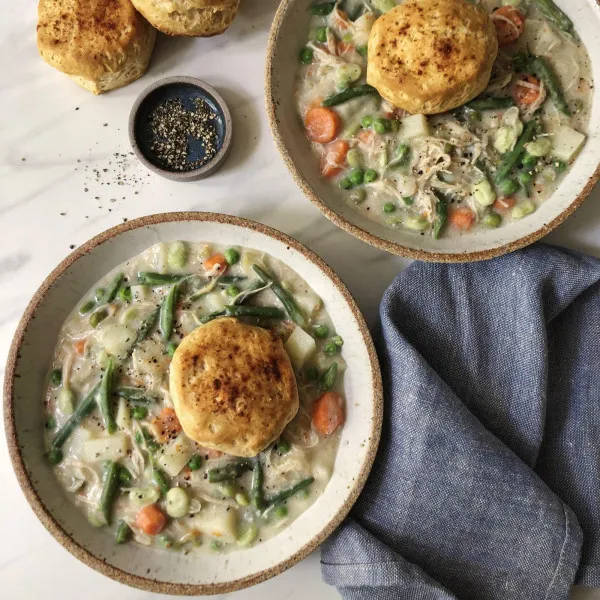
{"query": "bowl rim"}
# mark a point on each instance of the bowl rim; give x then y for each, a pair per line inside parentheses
(209, 167)
(31, 495)
(364, 235)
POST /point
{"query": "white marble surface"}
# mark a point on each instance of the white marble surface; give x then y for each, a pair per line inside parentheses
(47, 152)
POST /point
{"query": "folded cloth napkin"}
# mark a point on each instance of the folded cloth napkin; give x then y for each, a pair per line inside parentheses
(487, 479)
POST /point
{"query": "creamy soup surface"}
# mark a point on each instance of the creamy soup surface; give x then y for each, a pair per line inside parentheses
(446, 174)
(112, 434)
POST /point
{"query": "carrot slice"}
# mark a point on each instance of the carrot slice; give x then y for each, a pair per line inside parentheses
(79, 346)
(509, 23)
(151, 519)
(166, 425)
(334, 158)
(216, 264)
(322, 124)
(525, 95)
(327, 413)
(462, 218)
(365, 136)
(504, 203)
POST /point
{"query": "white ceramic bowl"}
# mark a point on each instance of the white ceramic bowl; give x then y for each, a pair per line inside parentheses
(288, 35)
(153, 569)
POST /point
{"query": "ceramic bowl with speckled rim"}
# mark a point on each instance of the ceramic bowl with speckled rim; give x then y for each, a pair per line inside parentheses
(154, 569)
(288, 36)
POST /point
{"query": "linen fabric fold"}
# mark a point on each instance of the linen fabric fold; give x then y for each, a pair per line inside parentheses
(487, 479)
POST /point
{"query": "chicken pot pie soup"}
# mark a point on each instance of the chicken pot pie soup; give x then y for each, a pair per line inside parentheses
(196, 399)
(436, 127)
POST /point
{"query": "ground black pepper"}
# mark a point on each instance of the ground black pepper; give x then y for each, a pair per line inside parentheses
(172, 126)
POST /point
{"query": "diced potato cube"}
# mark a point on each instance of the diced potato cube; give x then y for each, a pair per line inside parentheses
(176, 454)
(123, 417)
(114, 338)
(216, 521)
(106, 448)
(300, 346)
(414, 126)
(566, 142)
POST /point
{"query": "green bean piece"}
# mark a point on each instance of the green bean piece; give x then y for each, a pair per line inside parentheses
(133, 394)
(123, 533)
(145, 328)
(105, 397)
(226, 280)
(55, 456)
(389, 207)
(167, 313)
(321, 35)
(232, 291)
(356, 176)
(211, 316)
(490, 103)
(160, 479)
(87, 307)
(171, 348)
(256, 487)
(232, 256)
(370, 175)
(230, 471)
(408, 200)
(349, 94)
(284, 296)
(280, 512)
(328, 378)
(529, 160)
(321, 331)
(289, 492)
(556, 16)
(125, 294)
(402, 155)
(111, 291)
(441, 214)
(125, 477)
(157, 279)
(148, 440)
(55, 377)
(544, 71)
(195, 462)
(97, 317)
(84, 408)
(267, 312)
(306, 55)
(99, 294)
(311, 373)
(510, 159)
(283, 446)
(322, 9)
(50, 422)
(525, 179)
(109, 490)
(139, 412)
(366, 121)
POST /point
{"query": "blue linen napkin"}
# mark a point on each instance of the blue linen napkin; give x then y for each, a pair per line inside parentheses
(489, 463)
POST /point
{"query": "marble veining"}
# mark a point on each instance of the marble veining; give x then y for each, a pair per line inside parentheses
(53, 136)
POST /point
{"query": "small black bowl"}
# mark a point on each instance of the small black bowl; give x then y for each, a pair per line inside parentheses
(186, 89)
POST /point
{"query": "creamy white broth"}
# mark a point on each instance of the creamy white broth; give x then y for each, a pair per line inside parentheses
(217, 518)
(450, 154)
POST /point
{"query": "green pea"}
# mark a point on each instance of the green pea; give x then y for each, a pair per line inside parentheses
(529, 160)
(353, 158)
(358, 195)
(55, 456)
(321, 331)
(330, 348)
(228, 489)
(321, 35)
(280, 512)
(124, 294)
(346, 183)
(366, 121)
(306, 55)
(507, 186)
(125, 477)
(362, 50)
(312, 373)
(370, 175)
(560, 166)
(337, 340)
(139, 412)
(525, 178)
(166, 541)
(50, 423)
(195, 462)
(389, 207)
(408, 200)
(161, 480)
(171, 347)
(492, 220)
(232, 291)
(216, 546)
(356, 176)
(380, 125)
(55, 377)
(283, 446)
(242, 499)
(231, 256)
(97, 317)
(99, 294)
(87, 307)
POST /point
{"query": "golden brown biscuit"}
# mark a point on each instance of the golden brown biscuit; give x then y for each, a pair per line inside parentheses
(100, 44)
(200, 18)
(233, 387)
(430, 56)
